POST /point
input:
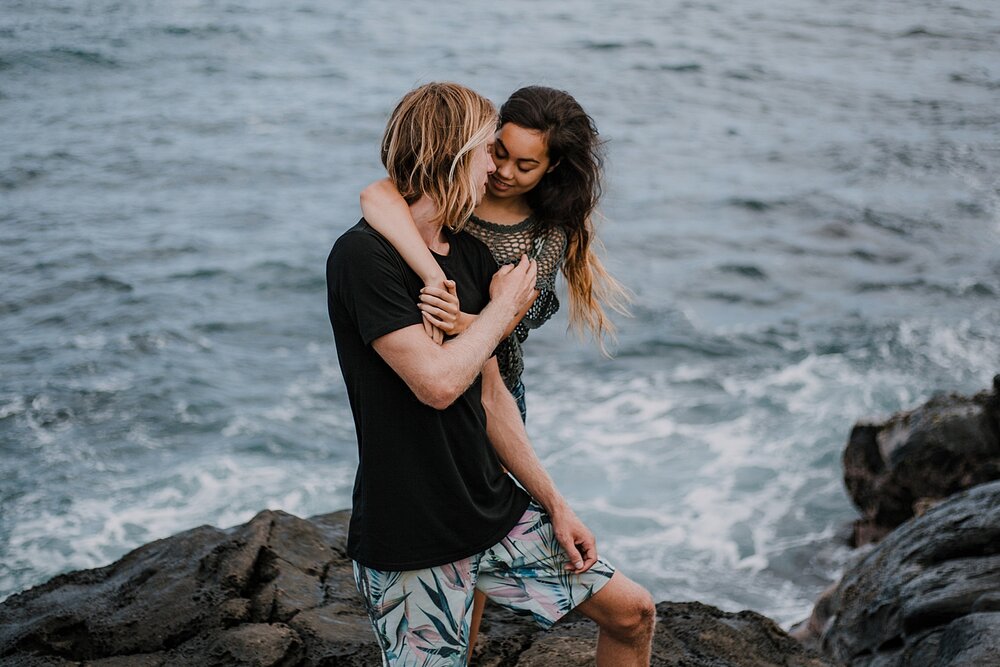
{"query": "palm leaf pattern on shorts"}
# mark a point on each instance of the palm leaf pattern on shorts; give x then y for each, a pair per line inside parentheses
(443, 632)
(373, 585)
(453, 630)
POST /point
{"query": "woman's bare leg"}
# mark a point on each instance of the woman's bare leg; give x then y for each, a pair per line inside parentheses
(478, 602)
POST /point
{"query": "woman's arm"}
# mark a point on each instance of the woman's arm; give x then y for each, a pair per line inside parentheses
(441, 308)
(388, 213)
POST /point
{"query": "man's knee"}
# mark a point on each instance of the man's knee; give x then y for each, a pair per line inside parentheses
(635, 617)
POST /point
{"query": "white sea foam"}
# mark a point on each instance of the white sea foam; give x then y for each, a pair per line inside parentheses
(126, 513)
(14, 406)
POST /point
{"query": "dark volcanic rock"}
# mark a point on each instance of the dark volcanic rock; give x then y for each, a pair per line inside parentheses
(696, 635)
(928, 595)
(895, 469)
(278, 591)
(274, 591)
(688, 634)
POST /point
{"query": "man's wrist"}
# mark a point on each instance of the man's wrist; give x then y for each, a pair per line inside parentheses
(557, 507)
(463, 322)
(508, 307)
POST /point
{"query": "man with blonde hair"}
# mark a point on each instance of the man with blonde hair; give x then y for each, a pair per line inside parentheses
(435, 514)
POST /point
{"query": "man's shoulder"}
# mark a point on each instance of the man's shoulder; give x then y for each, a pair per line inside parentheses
(361, 241)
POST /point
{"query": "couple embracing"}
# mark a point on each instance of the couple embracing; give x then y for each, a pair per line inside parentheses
(430, 296)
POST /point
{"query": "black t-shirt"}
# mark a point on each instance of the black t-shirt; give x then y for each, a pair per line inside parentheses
(429, 489)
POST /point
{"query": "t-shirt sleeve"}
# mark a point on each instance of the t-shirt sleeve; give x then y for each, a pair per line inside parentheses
(368, 282)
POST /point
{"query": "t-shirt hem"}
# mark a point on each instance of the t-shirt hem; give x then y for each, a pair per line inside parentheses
(384, 566)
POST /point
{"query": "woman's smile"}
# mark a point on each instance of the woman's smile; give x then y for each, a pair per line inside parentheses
(499, 185)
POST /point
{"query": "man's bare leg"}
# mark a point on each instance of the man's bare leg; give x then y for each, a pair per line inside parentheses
(625, 613)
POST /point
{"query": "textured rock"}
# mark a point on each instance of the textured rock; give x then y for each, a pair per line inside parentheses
(275, 591)
(695, 635)
(688, 634)
(896, 469)
(278, 592)
(929, 594)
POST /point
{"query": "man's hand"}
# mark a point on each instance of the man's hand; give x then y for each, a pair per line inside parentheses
(576, 540)
(515, 282)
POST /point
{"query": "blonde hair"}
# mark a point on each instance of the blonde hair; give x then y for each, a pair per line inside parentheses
(429, 143)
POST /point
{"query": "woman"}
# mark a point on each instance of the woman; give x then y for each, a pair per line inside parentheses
(539, 202)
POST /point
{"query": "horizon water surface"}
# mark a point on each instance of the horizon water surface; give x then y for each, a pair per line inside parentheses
(803, 196)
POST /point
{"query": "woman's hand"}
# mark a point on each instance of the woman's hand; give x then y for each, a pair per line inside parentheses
(442, 309)
(433, 332)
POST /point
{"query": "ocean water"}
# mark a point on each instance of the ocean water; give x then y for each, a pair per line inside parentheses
(803, 196)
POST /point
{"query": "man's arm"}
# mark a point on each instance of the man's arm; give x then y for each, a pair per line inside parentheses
(510, 440)
(439, 374)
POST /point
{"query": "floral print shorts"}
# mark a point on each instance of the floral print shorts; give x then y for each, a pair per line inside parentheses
(421, 617)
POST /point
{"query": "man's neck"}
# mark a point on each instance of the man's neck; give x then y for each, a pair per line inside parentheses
(431, 231)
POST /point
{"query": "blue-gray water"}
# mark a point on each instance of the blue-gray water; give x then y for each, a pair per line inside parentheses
(803, 195)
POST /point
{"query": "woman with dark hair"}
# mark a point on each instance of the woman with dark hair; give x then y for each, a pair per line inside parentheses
(540, 201)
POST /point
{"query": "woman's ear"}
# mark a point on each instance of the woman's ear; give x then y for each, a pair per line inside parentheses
(553, 166)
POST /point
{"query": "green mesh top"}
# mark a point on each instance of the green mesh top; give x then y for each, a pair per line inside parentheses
(507, 243)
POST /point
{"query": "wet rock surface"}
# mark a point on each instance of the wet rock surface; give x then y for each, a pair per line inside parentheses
(278, 592)
(924, 588)
(894, 470)
(927, 595)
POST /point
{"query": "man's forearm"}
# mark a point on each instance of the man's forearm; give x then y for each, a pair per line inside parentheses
(439, 374)
(506, 432)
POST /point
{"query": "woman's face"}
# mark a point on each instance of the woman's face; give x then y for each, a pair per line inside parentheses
(522, 159)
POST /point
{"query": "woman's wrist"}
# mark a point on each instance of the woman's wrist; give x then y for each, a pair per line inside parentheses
(434, 279)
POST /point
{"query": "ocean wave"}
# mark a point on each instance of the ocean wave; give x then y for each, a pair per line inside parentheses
(669, 67)
(744, 270)
(59, 58)
(208, 31)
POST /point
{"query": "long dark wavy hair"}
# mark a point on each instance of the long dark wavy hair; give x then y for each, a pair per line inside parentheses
(567, 196)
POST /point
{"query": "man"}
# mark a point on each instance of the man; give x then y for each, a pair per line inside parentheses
(435, 514)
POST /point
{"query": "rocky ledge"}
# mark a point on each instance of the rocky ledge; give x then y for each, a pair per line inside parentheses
(278, 591)
(928, 594)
